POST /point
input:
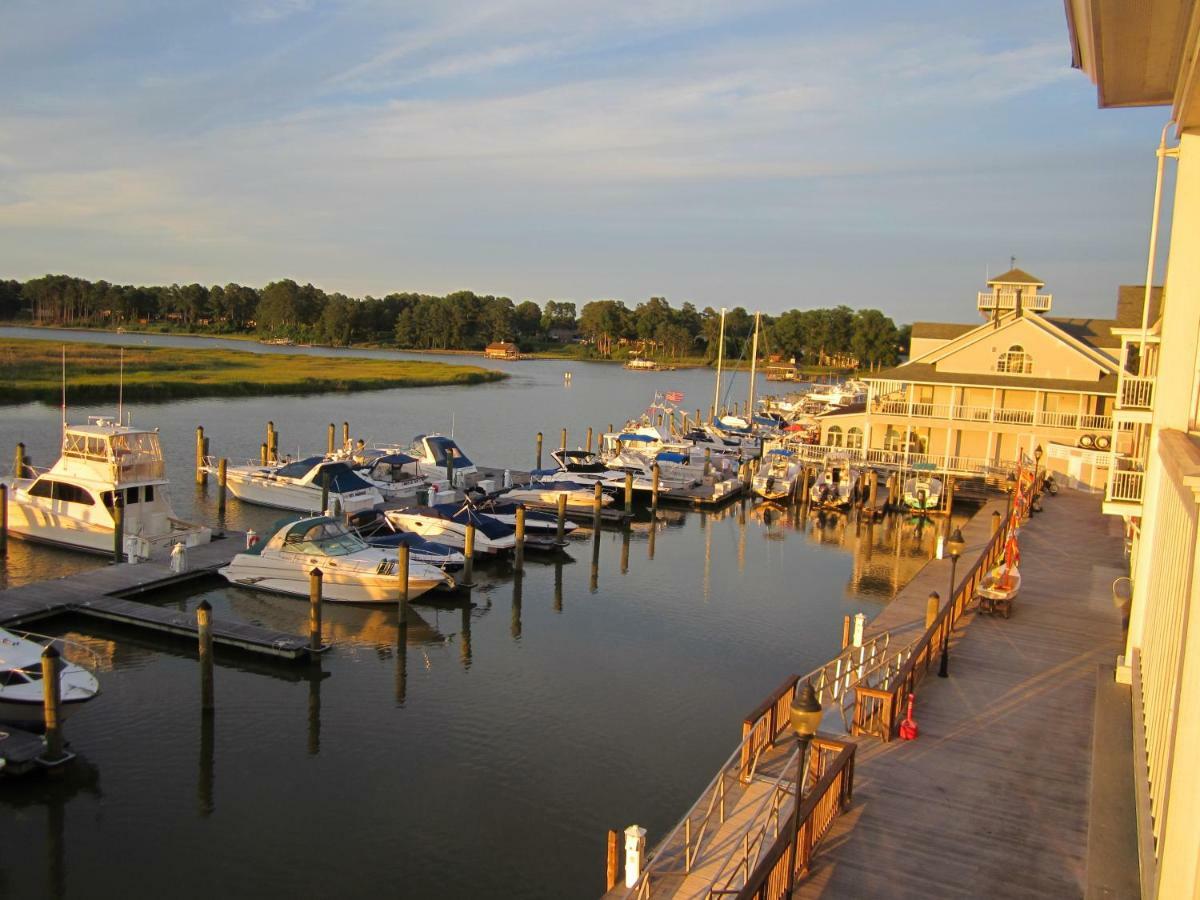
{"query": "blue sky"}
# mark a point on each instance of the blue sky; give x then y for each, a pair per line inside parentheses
(767, 154)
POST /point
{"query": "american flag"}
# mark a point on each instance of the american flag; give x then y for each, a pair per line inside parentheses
(673, 396)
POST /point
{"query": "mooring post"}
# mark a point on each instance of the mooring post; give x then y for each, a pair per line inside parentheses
(325, 493)
(597, 506)
(51, 698)
(589, 439)
(635, 849)
(628, 492)
(563, 443)
(561, 524)
(331, 439)
(346, 435)
(118, 514)
(200, 474)
(273, 450)
(656, 474)
(314, 610)
(874, 490)
(611, 867)
(222, 482)
(270, 441)
(204, 632)
(3, 519)
(520, 548)
(469, 553)
(949, 499)
(19, 461)
(262, 455)
(995, 521)
(845, 632)
(538, 463)
(402, 575)
(931, 608)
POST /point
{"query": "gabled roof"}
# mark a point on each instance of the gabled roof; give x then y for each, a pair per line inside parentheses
(1129, 305)
(1016, 276)
(940, 330)
(1093, 332)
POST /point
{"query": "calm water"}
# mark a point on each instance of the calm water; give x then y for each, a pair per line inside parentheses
(488, 754)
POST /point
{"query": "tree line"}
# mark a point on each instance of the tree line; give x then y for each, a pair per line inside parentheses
(462, 320)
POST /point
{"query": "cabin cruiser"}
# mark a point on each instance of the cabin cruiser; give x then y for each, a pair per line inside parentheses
(579, 494)
(834, 487)
(21, 688)
(352, 571)
(922, 491)
(777, 478)
(103, 463)
(300, 485)
(446, 523)
(438, 456)
(641, 364)
(397, 476)
(379, 531)
(588, 468)
(541, 528)
(837, 396)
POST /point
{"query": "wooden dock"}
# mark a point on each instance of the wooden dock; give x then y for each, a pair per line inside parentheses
(104, 593)
(20, 751)
(992, 799)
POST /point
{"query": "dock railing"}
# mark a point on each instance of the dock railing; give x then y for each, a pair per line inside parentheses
(796, 837)
(877, 709)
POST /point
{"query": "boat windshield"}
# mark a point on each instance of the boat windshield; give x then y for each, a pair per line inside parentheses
(323, 539)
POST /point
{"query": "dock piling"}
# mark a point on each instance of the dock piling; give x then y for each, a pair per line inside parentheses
(314, 610)
(331, 438)
(931, 608)
(597, 506)
(346, 435)
(561, 524)
(845, 632)
(629, 492)
(563, 442)
(538, 463)
(589, 439)
(657, 474)
(204, 632)
(222, 484)
(201, 477)
(262, 455)
(325, 492)
(402, 575)
(3, 520)
(469, 552)
(519, 562)
(611, 868)
(270, 440)
(51, 698)
(118, 514)
(19, 461)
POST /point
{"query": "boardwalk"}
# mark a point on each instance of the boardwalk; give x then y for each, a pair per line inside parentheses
(992, 799)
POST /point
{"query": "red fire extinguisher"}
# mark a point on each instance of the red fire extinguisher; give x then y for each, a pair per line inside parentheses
(908, 728)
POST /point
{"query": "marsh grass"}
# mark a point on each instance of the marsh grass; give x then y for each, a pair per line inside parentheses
(31, 371)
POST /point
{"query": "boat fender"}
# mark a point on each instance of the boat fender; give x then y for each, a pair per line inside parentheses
(251, 538)
(908, 728)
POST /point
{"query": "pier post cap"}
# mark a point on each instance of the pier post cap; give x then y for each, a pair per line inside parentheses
(50, 652)
(204, 606)
(316, 570)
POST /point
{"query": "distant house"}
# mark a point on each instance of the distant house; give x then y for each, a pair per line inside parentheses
(502, 350)
(563, 334)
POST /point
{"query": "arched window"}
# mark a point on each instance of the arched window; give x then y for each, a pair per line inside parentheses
(833, 437)
(1015, 361)
(854, 438)
(891, 439)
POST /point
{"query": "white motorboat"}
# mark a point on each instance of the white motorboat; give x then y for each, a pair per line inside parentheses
(21, 687)
(103, 463)
(397, 476)
(439, 456)
(351, 570)
(299, 485)
(641, 364)
(447, 523)
(777, 479)
(922, 492)
(834, 486)
(588, 468)
(580, 495)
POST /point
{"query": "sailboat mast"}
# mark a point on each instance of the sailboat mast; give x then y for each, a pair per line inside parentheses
(64, 392)
(753, 369)
(720, 359)
(121, 391)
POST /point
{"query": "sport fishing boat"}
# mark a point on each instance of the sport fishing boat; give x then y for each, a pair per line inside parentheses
(834, 487)
(922, 491)
(300, 485)
(351, 570)
(72, 504)
(779, 475)
(21, 687)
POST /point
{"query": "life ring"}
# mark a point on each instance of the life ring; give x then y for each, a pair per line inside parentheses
(1088, 441)
(1103, 442)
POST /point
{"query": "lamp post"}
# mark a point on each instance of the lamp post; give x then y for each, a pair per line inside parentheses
(806, 717)
(1037, 466)
(955, 546)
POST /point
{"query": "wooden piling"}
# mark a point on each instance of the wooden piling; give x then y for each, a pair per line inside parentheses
(931, 608)
(118, 514)
(538, 463)
(873, 497)
(204, 633)
(562, 444)
(270, 440)
(628, 492)
(346, 434)
(589, 439)
(314, 610)
(469, 553)
(222, 484)
(19, 461)
(611, 873)
(331, 438)
(273, 450)
(324, 492)
(949, 498)
(3, 520)
(262, 454)
(707, 461)
(845, 632)
(402, 575)
(656, 474)
(597, 506)
(51, 701)
(519, 563)
(200, 474)
(561, 525)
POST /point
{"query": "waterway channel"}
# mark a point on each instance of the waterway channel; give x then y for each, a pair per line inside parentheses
(488, 755)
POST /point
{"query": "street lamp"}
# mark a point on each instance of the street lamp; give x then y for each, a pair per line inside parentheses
(955, 547)
(1037, 466)
(806, 717)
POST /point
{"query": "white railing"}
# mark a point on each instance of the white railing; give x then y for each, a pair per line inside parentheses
(1008, 300)
(973, 413)
(1096, 423)
(1014, 416)
(1137, 393)
(1058, 419)
(1125, 486)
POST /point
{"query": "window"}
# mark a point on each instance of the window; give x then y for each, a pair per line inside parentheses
(891, 440)
(61, 491)
(42, 488)
(833, 437)
(148, 496)
(1015, 361)
(854, 438)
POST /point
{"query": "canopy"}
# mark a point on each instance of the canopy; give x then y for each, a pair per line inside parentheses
(669, 456)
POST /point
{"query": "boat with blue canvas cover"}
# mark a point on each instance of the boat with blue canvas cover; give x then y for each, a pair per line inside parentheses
(299, 485)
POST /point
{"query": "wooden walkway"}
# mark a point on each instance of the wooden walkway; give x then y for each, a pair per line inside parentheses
(103, 592)
(992, 799)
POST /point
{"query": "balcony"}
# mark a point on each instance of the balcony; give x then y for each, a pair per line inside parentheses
(1006, 300)
(1123, 493)
(988, 415)
(1137, 393)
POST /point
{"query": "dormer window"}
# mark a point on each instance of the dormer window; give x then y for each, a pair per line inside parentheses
(1015, 361)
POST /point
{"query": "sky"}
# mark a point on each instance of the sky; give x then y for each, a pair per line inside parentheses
(772, 155)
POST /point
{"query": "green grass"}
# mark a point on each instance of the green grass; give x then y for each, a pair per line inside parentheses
(32, 370)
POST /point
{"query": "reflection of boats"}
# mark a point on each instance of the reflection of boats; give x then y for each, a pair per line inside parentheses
(352, 571)
(299, 485)
(777, 479)
(72, 503)
(834, 486)
(21, 688)
(922, 491)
